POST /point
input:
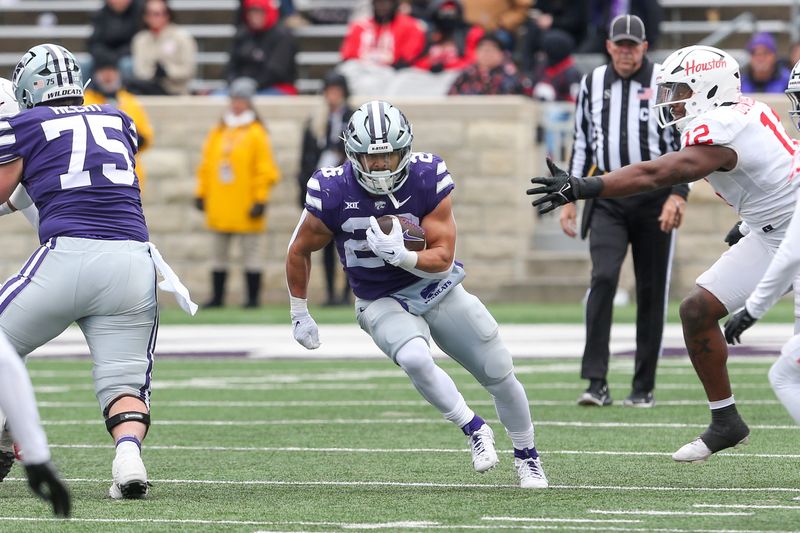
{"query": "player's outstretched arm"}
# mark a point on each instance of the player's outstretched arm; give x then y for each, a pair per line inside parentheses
(309, 236)
(689, 164)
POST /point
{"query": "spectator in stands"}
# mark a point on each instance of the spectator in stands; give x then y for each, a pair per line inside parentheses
(387, 38)
(764, 74)
(502, 17)
(264, 50)
(286, 12)
(113, 28)
(492, 73)
(323, 147)
(556, 78)
(107, 88)
(234, 180)
(569, 16)
(450, 42)
(602, 12)
(164, 54)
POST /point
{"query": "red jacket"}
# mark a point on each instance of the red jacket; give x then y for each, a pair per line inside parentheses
(401, 41)
(450, 56)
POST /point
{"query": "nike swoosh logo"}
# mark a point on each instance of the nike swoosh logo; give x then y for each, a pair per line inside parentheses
(400, 204)
(389, 252)
(408, 237)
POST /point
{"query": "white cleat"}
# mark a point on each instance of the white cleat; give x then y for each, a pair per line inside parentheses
(129, 477)
(697, 451)
(531, 474)
(481, 444)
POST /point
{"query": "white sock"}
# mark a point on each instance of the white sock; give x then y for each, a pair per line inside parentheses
(128, 444)
(719, 404)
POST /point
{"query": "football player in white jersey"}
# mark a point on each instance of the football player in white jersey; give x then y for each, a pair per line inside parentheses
(784, 376)
(19, 201)
(739, 145)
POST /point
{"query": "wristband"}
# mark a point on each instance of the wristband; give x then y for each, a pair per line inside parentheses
(5, 209)
(590, 187)
(298, 306)
(408, 260)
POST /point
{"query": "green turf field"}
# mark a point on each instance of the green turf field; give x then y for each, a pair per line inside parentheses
(305, 445)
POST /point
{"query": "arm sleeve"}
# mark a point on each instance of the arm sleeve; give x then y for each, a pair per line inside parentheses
(781, 271)
(581, 161)
(19, 404)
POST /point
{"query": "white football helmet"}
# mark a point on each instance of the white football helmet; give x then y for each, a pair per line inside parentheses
(378, 127)
(700, 77)
(793, 93)
(8, 104)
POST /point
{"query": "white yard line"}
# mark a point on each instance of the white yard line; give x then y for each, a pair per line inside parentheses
(643, 512)
(745, 506)
(297, 449)
(284, 483)
(362, 403)
(565, 520)
(394, 421)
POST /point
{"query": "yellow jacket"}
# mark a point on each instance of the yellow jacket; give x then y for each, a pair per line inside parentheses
(236, 171)
(128, 104)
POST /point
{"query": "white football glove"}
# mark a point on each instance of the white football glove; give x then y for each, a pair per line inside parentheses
(391, 247)
(304, 328)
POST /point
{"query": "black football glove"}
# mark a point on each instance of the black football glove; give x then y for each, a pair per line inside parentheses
(257, 210)
(558, 190)
(734, 235)
(737, 325)
(46, 483)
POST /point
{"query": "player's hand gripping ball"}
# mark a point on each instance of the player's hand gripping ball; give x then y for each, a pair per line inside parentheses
(413, 235)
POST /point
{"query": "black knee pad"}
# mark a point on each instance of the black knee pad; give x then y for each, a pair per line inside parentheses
(128, 416)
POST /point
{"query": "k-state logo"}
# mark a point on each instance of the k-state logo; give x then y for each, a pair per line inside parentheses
(380, 204)
(351, 205)
(428, 291)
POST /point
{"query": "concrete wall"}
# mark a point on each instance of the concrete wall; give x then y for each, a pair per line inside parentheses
(488, 143)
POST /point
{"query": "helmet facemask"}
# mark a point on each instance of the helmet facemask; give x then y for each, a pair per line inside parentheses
(378, 129)
(670, 94)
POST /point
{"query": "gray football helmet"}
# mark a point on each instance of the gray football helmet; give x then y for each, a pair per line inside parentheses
(46, 72)
(793, 93)
(378, 127)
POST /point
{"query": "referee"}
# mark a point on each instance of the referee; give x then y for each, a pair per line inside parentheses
(614, 127)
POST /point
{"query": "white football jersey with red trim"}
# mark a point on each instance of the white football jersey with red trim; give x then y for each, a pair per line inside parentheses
(761, 186)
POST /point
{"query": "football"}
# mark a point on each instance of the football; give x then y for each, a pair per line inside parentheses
(413, 235)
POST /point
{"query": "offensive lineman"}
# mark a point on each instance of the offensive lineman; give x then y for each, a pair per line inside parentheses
(784, 375)
(95, 266)
(403, 298)
(740, 144)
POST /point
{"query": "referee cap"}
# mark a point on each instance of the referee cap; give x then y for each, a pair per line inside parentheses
(627, 28)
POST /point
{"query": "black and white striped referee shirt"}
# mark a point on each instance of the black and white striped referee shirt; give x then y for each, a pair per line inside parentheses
(615, 124)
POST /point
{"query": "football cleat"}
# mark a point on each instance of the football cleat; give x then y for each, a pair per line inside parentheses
(481, 444)
(129, 477)
(529, 470)
(7, 453)
(698, 452)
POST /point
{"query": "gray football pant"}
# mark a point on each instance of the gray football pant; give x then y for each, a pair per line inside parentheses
(109, 289)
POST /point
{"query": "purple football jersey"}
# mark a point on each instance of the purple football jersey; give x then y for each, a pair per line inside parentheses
(335, 197)
(78, 168)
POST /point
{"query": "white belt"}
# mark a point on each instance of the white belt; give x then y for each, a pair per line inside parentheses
(171, 282)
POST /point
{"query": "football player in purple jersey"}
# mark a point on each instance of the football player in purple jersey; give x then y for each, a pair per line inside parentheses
(404, 298)
(95, 265)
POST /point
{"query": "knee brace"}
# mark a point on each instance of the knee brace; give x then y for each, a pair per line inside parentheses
(126, 416)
